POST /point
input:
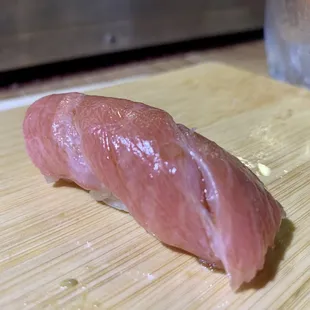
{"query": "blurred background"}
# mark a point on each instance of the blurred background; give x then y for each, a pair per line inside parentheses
(57, 44)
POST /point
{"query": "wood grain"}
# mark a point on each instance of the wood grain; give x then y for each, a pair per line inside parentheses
(54, 233)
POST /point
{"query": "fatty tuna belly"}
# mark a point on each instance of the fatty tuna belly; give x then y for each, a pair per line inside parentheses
(145, 164)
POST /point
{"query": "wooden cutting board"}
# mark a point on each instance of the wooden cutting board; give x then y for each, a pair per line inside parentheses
(61, 250)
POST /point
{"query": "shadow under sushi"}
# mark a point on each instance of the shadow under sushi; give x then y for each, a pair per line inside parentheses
(273, 258)
(65, 183)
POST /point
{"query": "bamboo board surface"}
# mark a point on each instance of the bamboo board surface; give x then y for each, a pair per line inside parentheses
(51, 234)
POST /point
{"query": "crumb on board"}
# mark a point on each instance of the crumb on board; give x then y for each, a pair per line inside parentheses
(264, 170)
(68, 283)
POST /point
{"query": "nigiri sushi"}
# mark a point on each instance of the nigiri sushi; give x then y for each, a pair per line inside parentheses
(179, 186)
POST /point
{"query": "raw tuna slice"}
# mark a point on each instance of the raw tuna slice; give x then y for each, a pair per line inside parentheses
(181, 187)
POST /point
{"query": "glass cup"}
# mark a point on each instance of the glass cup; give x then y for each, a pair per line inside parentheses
(287, 40)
